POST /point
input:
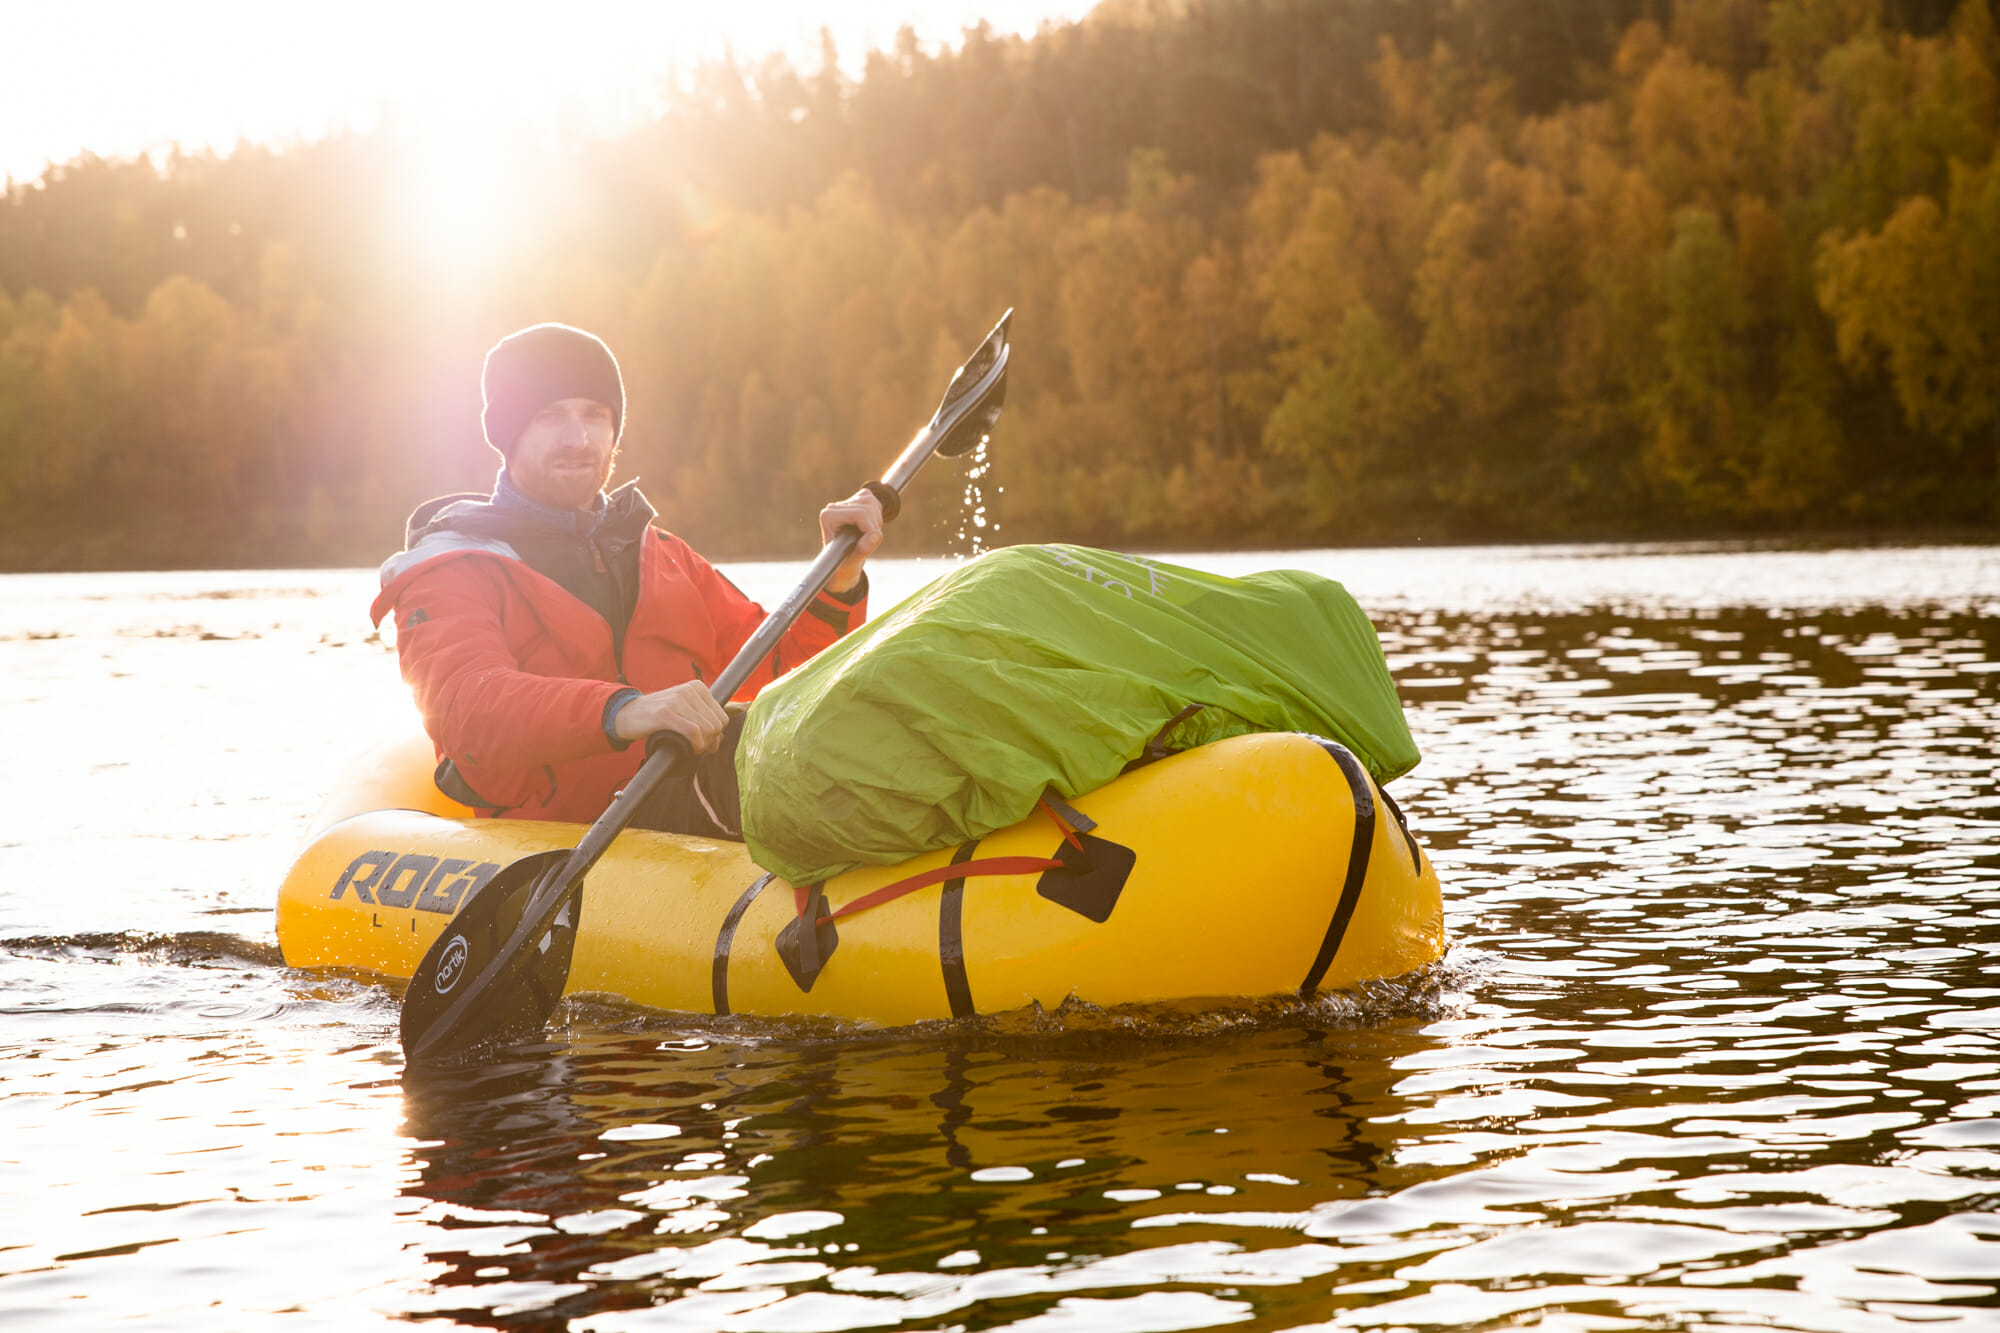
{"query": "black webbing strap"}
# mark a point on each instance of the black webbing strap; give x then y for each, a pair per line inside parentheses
(1357, 861)
(726, 937)
(951, 937)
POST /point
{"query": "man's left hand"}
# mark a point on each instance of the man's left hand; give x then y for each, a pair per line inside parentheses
(861, 511)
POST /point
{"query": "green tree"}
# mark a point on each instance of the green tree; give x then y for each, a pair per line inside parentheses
(1701, 418)
(1920, 298)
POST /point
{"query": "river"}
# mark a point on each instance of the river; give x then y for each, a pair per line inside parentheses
(1716, 1046)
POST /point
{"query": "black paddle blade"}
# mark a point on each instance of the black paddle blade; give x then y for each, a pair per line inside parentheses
(979, 420)
(976, 429)
(469, 991)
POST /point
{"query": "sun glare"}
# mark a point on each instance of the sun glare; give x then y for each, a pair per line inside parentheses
(205, 73)
(456, 204)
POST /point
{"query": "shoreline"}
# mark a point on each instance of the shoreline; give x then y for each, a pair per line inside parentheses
(107, 555)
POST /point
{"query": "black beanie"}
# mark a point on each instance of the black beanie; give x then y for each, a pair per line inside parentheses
(527, 371)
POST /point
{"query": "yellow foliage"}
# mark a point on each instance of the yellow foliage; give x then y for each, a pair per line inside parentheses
(1917, 297)
(1284, 310)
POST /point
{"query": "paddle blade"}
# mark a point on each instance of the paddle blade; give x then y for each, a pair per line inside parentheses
(977, 427)
(978, 390)
(469, 990)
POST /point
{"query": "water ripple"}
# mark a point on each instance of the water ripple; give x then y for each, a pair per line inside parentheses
(1717, 1044)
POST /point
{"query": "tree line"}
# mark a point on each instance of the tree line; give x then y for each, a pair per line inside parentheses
(1285, 271)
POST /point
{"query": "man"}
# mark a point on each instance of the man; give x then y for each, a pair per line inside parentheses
(548, 626)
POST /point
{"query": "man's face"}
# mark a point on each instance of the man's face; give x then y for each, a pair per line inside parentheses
(563, 458)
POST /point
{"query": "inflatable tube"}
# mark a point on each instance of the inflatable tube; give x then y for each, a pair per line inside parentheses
(1252, 867)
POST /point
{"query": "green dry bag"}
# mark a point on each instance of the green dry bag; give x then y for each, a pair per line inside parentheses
(1037, 667)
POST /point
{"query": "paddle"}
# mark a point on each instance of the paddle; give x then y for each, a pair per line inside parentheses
(501, 964)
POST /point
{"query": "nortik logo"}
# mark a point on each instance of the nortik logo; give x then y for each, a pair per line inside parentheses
(452, 966)
(412, 879)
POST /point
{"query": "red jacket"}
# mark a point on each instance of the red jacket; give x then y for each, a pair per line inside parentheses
(512, 672)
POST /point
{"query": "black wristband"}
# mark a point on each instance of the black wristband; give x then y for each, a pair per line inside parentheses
(610, 717)
(892, 503)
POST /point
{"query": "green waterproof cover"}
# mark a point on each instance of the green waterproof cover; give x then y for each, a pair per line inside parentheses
(1034, 667)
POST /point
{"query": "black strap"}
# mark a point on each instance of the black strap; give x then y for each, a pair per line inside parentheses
(1069, 814)
(1416, 854)
(727, 936)
(1156, 748)
(892, 503)
(951, 936)
(1357, 861)
(453, 784)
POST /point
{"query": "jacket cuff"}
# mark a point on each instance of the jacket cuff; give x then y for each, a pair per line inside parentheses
(610, 722)
(836, 609)
(853, 596)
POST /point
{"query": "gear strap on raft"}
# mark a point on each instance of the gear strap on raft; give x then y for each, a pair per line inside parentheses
(992, 865)
(1070, 821)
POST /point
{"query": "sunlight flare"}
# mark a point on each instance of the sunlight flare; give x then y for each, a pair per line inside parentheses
(461, 201)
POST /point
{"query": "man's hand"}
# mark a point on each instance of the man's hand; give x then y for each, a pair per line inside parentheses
(687, 708)
(859, 510)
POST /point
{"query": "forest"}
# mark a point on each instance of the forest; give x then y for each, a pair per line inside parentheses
(1286, 272)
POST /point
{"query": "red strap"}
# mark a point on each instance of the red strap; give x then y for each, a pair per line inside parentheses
(1060, 823)
(992, 865)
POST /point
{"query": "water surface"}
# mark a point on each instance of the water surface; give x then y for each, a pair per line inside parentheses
(1715, 1046)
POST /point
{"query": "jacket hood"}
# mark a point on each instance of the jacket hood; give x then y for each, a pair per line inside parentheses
(469, 523)
(474, 515)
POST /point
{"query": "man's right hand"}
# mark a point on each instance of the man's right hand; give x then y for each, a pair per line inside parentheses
(688, 709)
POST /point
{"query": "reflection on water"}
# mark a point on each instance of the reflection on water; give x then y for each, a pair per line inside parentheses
(1716, 1045)
(700, 1175)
